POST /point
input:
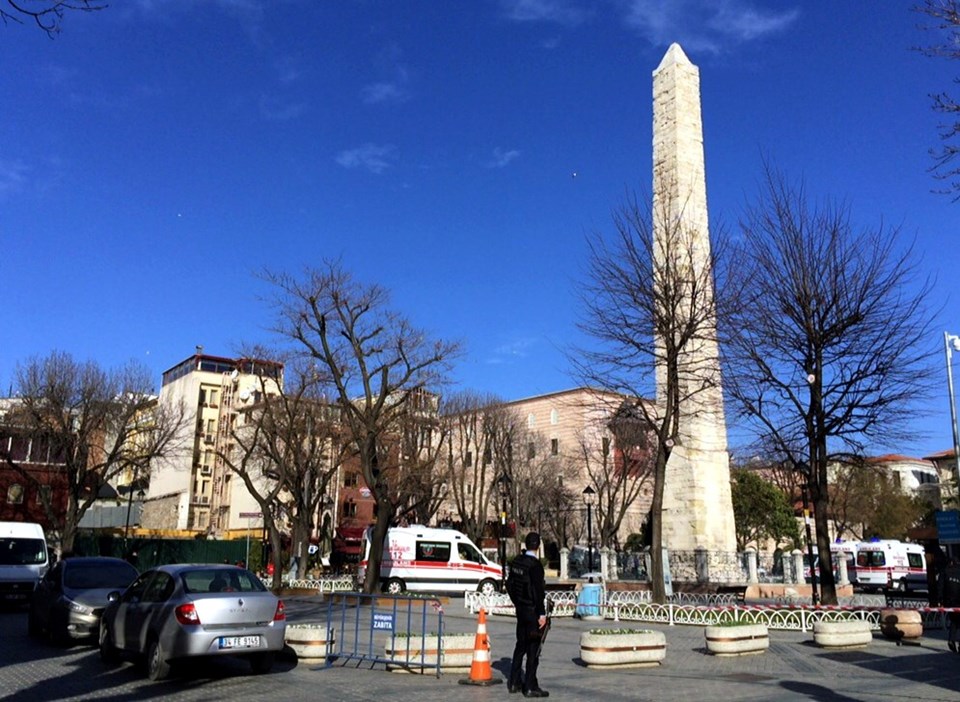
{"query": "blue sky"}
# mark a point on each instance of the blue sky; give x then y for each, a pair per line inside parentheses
(158, 153)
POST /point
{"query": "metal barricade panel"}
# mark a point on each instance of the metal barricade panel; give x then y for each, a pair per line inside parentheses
(392, 630)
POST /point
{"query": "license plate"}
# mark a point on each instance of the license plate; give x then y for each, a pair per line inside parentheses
(239, 642)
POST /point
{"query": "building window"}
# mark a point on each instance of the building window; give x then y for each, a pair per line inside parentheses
(211, 426)
(43, 493)
(554, 417)
(554, 447)
(531, 420)
(468, 460)
(605, 447)
(15, 494)
(486, 456)
(212, 397)
(351, 480)
(531, 450)
(349, 509)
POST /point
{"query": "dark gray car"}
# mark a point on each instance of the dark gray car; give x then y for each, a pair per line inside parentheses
(176, 612)
(70, 598)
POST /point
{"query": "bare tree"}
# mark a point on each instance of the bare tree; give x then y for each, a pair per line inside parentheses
(946, 21)
(287, 449)
(377, 363)
(827, 344)
(420, 478)
(865, 502)
(648, 300)
(94, 425)
(46, 14)
(621, 470)
(479, 440)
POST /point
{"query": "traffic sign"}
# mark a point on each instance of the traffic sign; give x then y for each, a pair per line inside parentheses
(251, 515)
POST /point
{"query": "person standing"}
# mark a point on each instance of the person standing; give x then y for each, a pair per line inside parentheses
(525, 585)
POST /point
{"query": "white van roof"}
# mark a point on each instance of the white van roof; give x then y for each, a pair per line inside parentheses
(425, 532)
(21, 529)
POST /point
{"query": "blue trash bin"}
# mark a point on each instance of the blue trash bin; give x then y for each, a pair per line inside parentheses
(588, 601)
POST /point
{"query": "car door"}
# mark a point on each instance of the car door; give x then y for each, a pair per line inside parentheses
(48, 589)
(128, 615)
(153, 608)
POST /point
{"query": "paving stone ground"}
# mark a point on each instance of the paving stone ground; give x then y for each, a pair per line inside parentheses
(793, 669)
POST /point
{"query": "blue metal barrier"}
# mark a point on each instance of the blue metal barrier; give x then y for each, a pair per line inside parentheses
(394, 630)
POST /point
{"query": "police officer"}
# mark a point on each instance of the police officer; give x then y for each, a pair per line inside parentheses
(525, 586)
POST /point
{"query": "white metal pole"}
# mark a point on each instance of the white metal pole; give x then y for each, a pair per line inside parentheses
(949, 339)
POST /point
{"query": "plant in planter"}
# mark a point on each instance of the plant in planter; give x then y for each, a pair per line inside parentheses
(729, 636)
(622, 648)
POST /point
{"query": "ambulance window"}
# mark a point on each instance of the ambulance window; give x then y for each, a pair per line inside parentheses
(469, 553)
(871, 559)
(915, 560)
(436, 551)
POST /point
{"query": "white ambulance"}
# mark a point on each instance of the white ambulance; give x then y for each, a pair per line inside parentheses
(886, 563)
(424, 559)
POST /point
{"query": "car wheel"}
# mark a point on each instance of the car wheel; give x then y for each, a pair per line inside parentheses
(157, 666)
(394, 586)
(261, 663)
(108, 653)
(488, 587)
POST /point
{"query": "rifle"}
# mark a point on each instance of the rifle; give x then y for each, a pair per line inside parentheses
(546, 628)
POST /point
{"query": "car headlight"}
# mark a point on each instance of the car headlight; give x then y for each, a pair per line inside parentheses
(77, 607)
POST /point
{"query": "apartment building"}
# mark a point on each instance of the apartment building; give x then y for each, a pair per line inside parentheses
(193, 490)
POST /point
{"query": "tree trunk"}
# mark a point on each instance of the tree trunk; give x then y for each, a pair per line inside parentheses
(657, 585)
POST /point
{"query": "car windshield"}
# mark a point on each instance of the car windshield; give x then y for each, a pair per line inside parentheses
(221, 580)
(17, 551)
(89, 576)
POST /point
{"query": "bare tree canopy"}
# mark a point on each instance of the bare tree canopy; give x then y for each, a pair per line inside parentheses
(648, 301)
(380, 368)
(946, 23)
(827, 345)
(46, 14)
(287, 449)
(93, 424)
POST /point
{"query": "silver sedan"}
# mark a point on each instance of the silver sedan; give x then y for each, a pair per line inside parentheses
(176, 612)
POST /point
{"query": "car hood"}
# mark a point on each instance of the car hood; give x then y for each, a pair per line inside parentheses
(96, 597)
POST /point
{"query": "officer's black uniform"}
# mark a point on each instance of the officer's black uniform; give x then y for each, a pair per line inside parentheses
(526, 588)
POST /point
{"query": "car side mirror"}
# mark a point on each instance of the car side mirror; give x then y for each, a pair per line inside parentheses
(113, 596)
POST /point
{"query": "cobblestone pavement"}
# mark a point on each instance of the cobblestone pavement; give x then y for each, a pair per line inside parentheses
(793, 669)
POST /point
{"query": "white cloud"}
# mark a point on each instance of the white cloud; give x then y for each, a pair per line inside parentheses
(276, 110)
(373, 157)
(512, 350)
(564, 12)
(501, 157)
(705, 25)
(13, 176)
(382, 92)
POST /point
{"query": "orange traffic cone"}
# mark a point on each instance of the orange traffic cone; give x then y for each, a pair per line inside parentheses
(480, 672)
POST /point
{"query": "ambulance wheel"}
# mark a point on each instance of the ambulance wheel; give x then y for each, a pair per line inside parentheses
(394, 586)
(488, 587)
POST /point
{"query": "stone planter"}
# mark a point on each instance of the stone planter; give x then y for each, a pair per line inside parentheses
(901, 624)
(309, 641)
(851, 633)
(410, 653)
(622, 648)
(737, 639)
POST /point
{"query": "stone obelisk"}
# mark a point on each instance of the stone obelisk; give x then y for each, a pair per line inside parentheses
(698, 510)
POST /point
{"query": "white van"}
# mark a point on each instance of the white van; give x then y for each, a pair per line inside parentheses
(886, 563)
(424, 559)
(23, 560)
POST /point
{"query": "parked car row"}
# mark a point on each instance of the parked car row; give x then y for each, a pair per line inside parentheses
(165, 615)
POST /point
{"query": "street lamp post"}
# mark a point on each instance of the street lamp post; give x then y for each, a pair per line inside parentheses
(951, 343)
(589, 497)
(503, 484)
